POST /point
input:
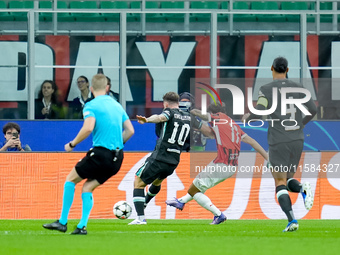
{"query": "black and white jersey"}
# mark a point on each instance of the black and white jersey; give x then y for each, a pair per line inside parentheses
(173, 135)
(289, 127)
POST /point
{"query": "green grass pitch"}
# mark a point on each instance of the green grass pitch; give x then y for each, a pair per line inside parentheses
(172, 237)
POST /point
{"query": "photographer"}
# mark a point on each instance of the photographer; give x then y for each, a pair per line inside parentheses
(11, 132)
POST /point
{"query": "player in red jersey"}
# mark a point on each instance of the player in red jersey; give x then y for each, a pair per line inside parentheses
(228, 137)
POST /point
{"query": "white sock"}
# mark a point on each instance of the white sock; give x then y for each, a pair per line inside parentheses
(206, 203)
(141, 218)
(185, 199)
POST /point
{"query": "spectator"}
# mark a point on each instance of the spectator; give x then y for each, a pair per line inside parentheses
(112, 94)
(77, 105)
(12, 141)
(47, 105)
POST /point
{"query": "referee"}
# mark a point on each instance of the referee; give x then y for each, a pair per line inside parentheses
(105, 118)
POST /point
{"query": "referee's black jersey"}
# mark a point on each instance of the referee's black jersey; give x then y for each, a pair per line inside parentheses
(173, 135)
(289, 127)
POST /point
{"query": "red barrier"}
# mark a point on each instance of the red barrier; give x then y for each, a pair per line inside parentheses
(31, 187)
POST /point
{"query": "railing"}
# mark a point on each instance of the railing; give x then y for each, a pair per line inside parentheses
(213, 29)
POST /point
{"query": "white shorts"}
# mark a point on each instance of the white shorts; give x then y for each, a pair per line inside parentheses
(213, 175)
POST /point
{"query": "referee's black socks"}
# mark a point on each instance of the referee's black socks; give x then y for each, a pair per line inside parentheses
(139, 200)
(152, 192)
(284, 201)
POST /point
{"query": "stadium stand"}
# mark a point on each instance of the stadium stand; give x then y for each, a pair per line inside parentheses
(326, 17)
(243, 17)
(45, 16)
(206, 5)
(61, 16)
(296, 6)
(84, 16)
(271, 6)
(113, 5)
(149, 5)
(20, 16)
(243, 6)
(172, 17)
(5, 16)
(222, 16)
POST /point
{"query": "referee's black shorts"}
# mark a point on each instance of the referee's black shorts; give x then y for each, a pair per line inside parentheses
(285, 157)
(100, 164)
(154, 169)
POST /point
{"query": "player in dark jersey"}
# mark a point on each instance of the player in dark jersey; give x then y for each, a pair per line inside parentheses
(285, 141)
(165, 158)
(195, 140)
(228, 140)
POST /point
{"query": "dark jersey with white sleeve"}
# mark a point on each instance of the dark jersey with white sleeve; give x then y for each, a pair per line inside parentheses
(289, 127)
(173, 135)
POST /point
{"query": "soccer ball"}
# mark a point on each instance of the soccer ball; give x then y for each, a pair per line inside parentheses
(122, 210)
